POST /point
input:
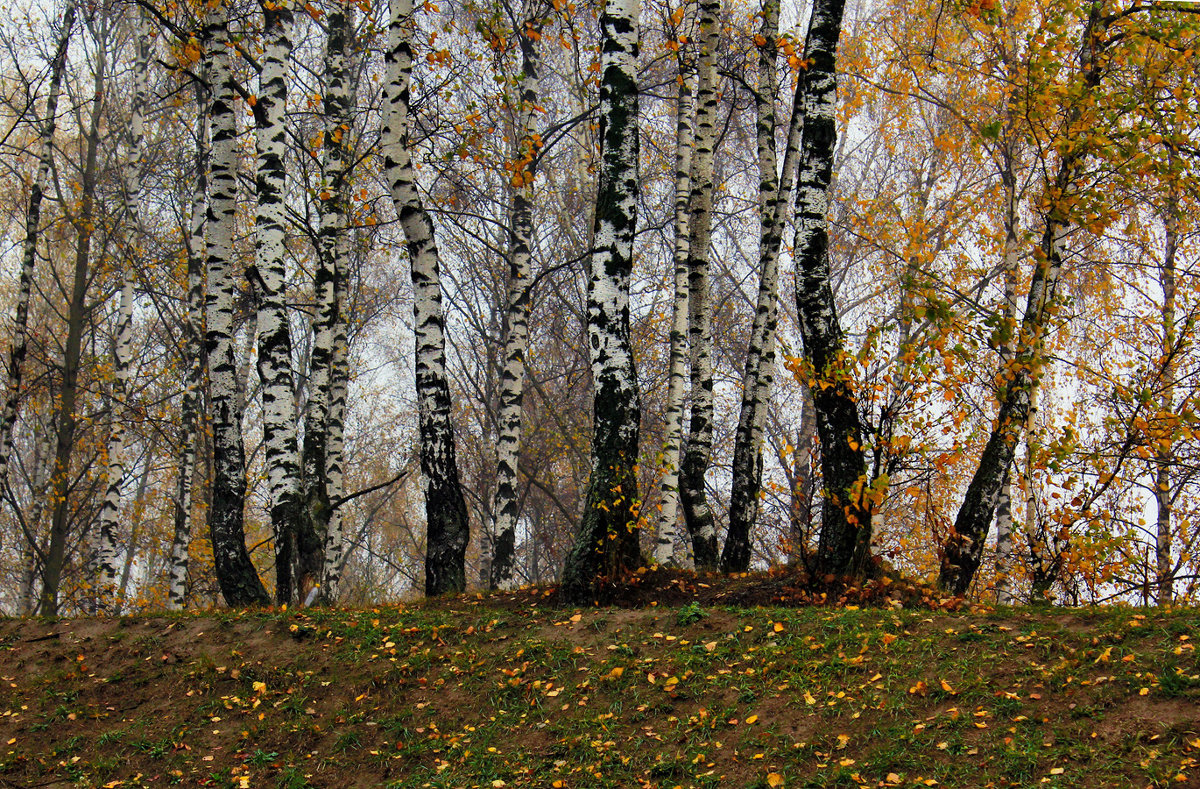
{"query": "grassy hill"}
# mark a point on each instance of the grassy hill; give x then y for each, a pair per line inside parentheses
(511, 691)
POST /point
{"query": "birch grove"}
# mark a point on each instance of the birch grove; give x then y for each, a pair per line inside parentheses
(904, 270)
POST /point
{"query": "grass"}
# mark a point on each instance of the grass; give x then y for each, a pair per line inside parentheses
(484, 692)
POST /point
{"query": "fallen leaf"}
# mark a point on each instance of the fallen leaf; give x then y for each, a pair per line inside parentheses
(774, 779)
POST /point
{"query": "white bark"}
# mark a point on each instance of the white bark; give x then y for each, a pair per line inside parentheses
(445, 509)
(193, 337)
(106, 544)
(668, 521)
(697, 455)
(273, 328)
(607, 542)
(516, 335)
(236, 575)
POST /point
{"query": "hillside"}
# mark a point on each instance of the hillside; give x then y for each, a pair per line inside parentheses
(510, 690)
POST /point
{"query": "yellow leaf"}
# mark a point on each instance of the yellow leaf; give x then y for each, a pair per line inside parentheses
(751, 719)
(808, 698)
(843, 741)
(779, 627)
(774, 779)
(946, 687)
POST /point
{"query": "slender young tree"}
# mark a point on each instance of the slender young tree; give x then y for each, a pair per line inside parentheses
(83, 222)
(236, 576)
(607, 541)
(105, 559)
(192, 340)
(29, 249)
(445, 510)
(697, 455)
(1164, 457)
(844, 542)
(270, 274)
(668, 519)
(774, 198)
(506, 506)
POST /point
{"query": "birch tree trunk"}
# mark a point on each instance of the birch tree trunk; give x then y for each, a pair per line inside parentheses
(236, 576)
(606, 545)
(668, 520)
(844, 543)
(1164, 457)
(445, 510)
(774, 195)
(106, 543)
(516, 323)
(67, 419)
(335, 537)
(193, 340)
(1004, 519)
(270, 271)
(697, 454)
(33, 214)
(964, 549)
(326, 403)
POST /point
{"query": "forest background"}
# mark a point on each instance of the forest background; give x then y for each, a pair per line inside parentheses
(229, 226)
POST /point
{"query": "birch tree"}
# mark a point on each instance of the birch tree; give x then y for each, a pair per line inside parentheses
(270, 273)
(844, 543)
(668, 520)
(445, 509)
(964, 549)
(774, 198)
(698, 452)
(29, 248)
(192, 340)
(236, 575)
(607, 542)
(105, 560)
(522, 173)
